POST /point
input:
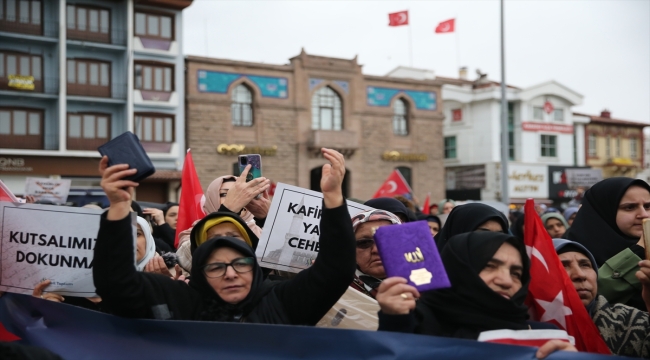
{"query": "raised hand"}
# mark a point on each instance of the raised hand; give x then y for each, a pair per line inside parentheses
(156, 215)
(396, 297)
(118, 191)
(260, 206)
(332, 178)
(242, 192)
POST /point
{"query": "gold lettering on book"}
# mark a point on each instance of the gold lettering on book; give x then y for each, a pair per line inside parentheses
(415, 256)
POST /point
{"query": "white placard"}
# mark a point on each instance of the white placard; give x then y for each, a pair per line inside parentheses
(289, 241)
(54, 190)
(583, 177)
(46, 242)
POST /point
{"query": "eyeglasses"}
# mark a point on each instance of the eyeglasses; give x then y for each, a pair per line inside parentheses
(218, 269)
(365, 244)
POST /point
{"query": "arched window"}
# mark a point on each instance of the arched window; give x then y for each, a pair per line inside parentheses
(242, 106)
(400, 118)
(326, 110)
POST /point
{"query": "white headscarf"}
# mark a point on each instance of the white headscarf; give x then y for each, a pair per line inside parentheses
(150, 247)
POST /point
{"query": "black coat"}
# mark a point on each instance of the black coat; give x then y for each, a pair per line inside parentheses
(303, 300)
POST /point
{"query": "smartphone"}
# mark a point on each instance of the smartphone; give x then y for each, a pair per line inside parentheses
(255, 161)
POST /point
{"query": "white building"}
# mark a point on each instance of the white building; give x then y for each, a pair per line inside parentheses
(88, 71)
(541, 132)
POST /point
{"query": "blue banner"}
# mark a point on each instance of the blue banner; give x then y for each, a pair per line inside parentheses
(77, 333)
(423, 100)
(219, 82)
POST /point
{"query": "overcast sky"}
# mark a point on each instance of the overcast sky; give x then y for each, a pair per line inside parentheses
(599, 48)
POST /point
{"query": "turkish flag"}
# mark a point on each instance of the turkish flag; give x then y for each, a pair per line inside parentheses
(446, 26)
(394, 185)
(425, 207)
(6, 194)
(551, 294)
(398, 18)
(6, 336)
(190, 207)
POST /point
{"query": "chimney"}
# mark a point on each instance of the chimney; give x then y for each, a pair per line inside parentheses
(462, 73)
(606, 114)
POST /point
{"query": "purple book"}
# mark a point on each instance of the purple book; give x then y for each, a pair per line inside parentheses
(408, 250)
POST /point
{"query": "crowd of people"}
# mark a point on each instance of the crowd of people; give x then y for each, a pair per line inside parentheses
(212, 274)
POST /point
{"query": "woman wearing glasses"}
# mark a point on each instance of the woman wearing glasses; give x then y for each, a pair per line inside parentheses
(226, 281)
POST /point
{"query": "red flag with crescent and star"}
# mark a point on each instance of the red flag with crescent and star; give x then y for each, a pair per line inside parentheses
(190, 208)
(551, 294)
(399, 18)
(446, 26)
(394, 185)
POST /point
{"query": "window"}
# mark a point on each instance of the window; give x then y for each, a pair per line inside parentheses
(538, 113)
(591, 142)
(326, 110)
(558, 115)
(450, 147)
(618, 147)
(154, 25)
(21, 128)
(511, 131)
(633, 149)
(549, 145)
(21, 64)
(457, 115)
(154, 77)
(157, 128)
(88, 77)
(88, 23)
(242, 106)
(400, 118)
(22, 16)
(608, 149)
(87, 131)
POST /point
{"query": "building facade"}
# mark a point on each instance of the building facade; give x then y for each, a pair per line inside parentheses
(540, 131)
(613, 145)
(75, 74)
(287, 113)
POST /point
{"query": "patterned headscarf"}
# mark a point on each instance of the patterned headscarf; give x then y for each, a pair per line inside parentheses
(373, 215)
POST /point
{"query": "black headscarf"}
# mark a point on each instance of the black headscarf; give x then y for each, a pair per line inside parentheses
(215, 309)
(391, 205)
(470, 306)
(517, 227)
(168, 206)
(595, 224)
(468, 217)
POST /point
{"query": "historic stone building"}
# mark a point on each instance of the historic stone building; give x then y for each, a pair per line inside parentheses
(288, 112)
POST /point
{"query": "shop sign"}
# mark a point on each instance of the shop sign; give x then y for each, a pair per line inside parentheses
(237, 149)
(546, 127)
(13, 164)
(527, 181)
(397, 156)
(558, 187)
(21, 82)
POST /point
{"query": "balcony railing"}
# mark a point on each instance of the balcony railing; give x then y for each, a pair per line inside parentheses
(49, 85)
(114, 91)
(27, 26)
(114, 36)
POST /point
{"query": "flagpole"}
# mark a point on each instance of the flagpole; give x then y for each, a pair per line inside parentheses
(457, 42)
(505, 153)
(410, 42)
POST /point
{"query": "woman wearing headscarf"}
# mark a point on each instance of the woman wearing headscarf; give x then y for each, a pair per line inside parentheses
(471, 217)
(609, 225)
(489, 275)
(625, 330)
(226, 281)
(570, 214)
(446, 206)
(555, 224)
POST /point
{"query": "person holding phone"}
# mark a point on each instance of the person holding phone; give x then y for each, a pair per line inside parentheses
(226, 281)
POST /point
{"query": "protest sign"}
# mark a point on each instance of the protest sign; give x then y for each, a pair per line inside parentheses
(583, 177)
(289, 241)
(54, 190)
(6, 194)
(45, 242)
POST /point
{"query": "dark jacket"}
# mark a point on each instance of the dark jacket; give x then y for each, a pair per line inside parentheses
(303, 300)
